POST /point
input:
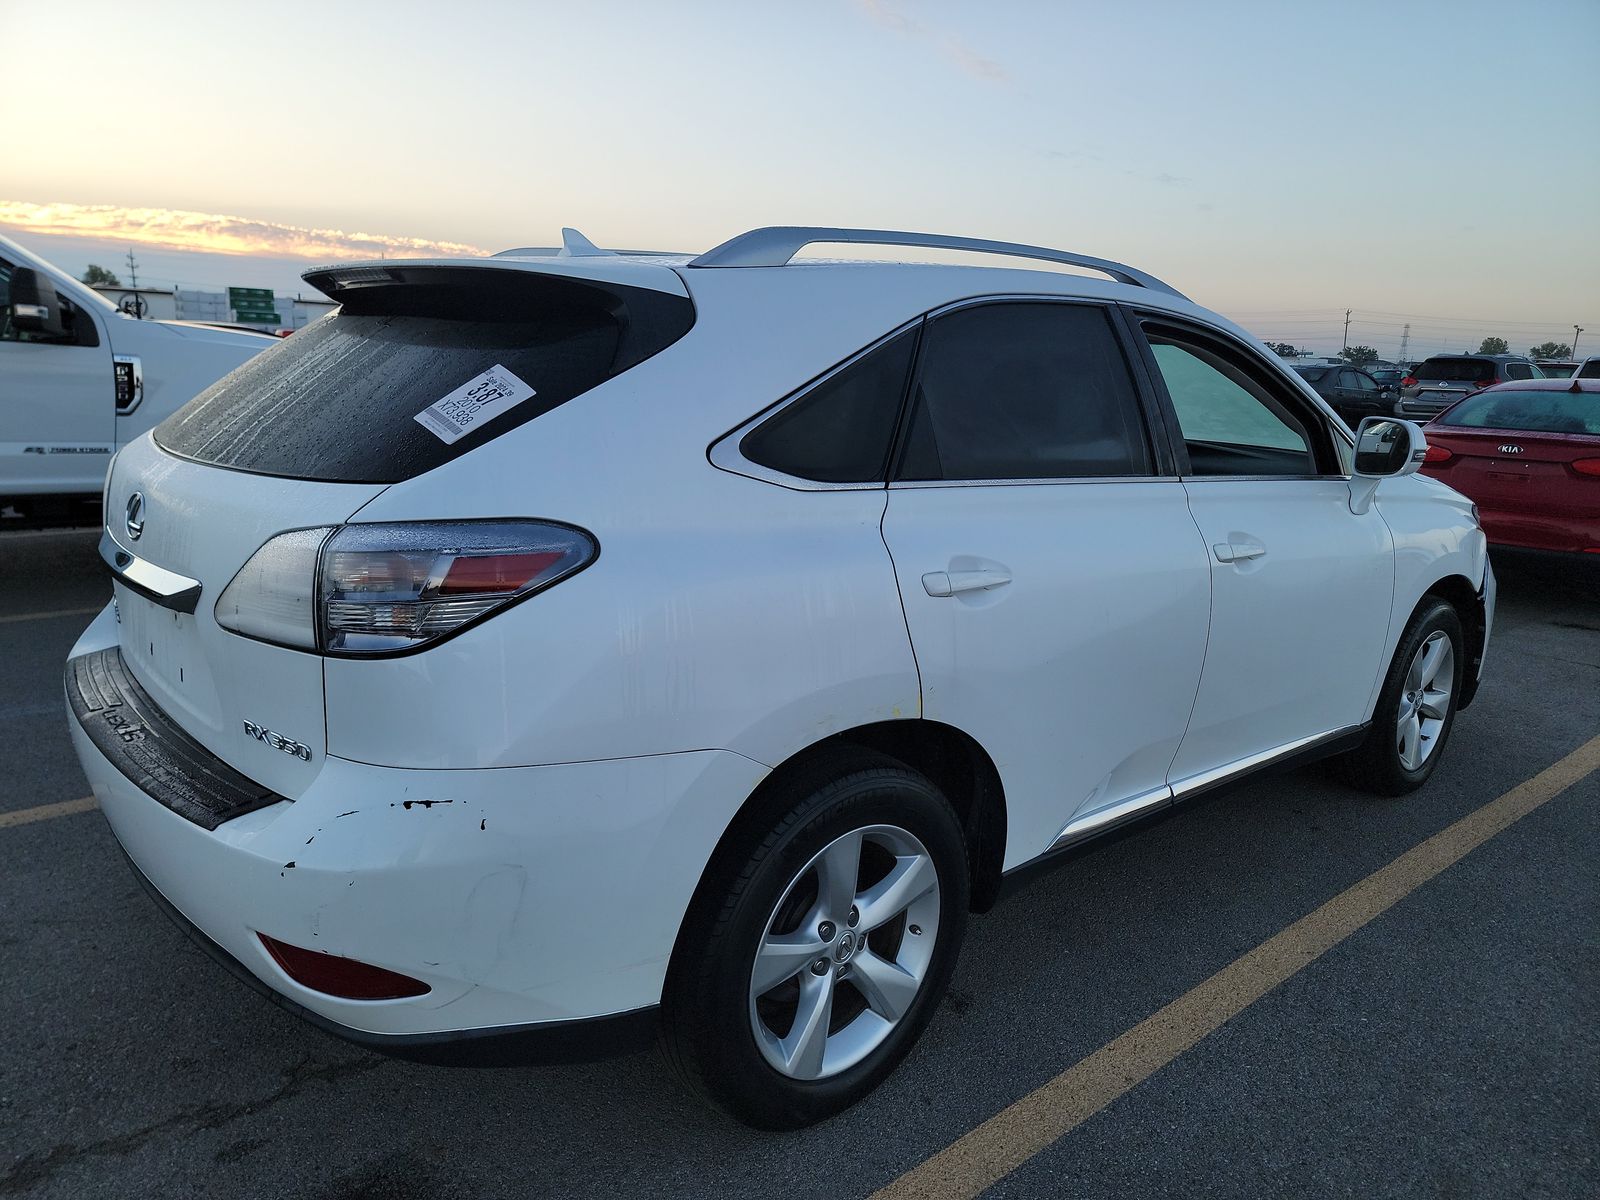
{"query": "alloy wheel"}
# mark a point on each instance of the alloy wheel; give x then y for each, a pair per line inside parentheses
(1425, 700)
(845, 952)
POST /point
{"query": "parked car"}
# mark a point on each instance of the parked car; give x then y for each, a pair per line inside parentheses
(1388, 378)
(1528, 454)
(1440, 381)
(80, 378)
(1590, 368)
(1353, 393)
(1556, 370)
(545, 651)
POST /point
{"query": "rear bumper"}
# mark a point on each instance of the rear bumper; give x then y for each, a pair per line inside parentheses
(525, 898)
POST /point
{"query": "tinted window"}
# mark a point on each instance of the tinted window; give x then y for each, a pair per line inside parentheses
(839, 431)
(1455, 370)
(1590, 369)
(1232, 423)
(78, 328)
(1536, 412)
(1520, 371)
(1024, 391)
(337, 401)
(1314, 374)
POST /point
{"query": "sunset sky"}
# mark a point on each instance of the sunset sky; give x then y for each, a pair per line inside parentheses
(1437, 163)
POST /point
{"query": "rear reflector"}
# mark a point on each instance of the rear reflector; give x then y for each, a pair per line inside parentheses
(1437, 454)
(343, 977)
(1587, 466)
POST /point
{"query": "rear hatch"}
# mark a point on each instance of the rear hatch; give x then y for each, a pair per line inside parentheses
(1443, 381)
(421, 364)
(203, 523)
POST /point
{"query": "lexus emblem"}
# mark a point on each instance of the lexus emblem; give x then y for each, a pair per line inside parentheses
(135, 515)
(1510, 448)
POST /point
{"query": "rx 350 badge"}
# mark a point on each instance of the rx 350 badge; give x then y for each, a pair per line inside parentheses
(277, 741)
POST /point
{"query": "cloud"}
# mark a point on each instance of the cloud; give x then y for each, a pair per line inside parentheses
(977, 65)
(217, 233)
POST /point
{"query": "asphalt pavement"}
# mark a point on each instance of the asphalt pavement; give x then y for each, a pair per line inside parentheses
(1450, 1047)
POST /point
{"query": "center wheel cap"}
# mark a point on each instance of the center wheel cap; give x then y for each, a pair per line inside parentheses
(845, 947)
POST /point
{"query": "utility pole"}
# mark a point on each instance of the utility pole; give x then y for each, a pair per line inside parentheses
(133, 282)
(1576, 330)
(1347, 329)
(1405, 336)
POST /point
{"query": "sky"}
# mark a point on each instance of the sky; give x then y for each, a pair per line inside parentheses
(1436, 164)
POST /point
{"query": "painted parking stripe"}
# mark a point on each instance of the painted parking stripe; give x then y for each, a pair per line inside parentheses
(46, 812)
(1006, 1141)
(45, 616)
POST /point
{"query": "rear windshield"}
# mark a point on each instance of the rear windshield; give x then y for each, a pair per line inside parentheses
(1313, 374)
(1455, 370)
(474, 351)
(1535, 412)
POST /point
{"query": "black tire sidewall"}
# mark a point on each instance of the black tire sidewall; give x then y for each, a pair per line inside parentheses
(715, 1007)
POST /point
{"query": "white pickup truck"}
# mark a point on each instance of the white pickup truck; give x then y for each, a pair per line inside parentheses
(79, 379)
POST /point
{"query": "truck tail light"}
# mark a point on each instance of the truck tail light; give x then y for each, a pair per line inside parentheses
(378, 589)
(1587, 466)
(1437, 454)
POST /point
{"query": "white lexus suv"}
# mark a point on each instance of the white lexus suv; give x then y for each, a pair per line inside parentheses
(551, 651)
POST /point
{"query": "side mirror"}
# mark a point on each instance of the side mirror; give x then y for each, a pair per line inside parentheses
(1387, 447)
(35, 307)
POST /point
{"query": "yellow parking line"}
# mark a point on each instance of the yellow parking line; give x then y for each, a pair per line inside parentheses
(1007, 1140)
(46, 812)
(44, 616)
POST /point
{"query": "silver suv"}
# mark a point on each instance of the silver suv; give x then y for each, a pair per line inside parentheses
(1440, 381)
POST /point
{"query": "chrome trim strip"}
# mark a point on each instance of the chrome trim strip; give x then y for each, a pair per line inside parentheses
(1203, 781)
(164, 587)
(1104, 819)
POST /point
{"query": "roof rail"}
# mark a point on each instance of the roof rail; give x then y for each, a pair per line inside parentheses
(775, 245)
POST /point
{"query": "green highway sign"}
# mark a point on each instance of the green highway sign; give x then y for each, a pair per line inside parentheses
(250, 298)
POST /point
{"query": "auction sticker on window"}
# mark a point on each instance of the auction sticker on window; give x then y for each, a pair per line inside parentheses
(481, 398)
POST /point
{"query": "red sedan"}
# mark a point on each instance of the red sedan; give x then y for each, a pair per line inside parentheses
(1528, 454)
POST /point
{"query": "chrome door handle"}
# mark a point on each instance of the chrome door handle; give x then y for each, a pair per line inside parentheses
(950, 583)
(1238, 551)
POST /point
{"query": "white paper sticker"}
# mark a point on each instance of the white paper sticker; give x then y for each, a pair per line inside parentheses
(481, 398)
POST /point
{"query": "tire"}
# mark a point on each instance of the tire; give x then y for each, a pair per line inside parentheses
(1381, 763)
(742, 1045)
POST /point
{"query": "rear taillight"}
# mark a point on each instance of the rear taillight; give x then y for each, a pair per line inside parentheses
(347, 978)
(1437, 454)
(1587, 466)
(377, 589)
(1409, 381)
(1484, 383)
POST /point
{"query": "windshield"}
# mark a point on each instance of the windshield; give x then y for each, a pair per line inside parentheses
(407, 376)
(1535, 412)
(1455, 370)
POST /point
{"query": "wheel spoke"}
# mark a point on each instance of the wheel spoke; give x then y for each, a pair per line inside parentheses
(1410, 742)
(783, 956)
(887, 987)
(911, 877)
(1434, 705)
(837, 872)
(1433, 655)
(807, 1043)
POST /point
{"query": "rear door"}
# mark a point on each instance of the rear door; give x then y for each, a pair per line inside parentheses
(1301, 586)
(1054, 584)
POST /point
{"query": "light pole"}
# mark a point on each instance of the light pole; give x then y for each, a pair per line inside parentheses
(1576, 330)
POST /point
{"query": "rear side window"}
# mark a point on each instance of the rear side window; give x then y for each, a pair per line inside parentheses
(1024, 391)
(1535, 412)
(1590, 369)
(337, 401)
(1522, 371)
(840, 431)
(1455, 370)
